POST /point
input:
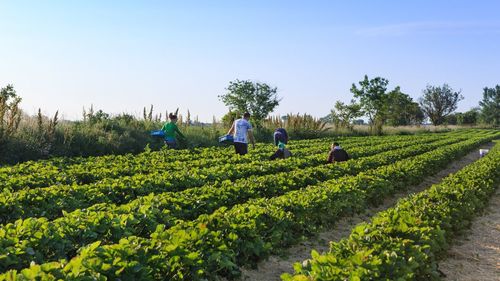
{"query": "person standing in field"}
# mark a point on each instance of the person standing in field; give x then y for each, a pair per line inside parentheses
(171, 129)
(337, 154)
(280, 135)
(242, 131)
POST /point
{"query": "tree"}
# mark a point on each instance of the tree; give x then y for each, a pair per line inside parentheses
(439, 102)
(372, 98)
(490, 106)
(451, 119)
(468, 118)
(343, 114)
(10, 113)
(259, 99)
(401, 110)
(228, 118)
(416, 116)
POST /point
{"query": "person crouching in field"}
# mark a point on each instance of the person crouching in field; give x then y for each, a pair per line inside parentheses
(240, 129)
(171, 129)
(337, 154)
(281, 153)
(280, 135)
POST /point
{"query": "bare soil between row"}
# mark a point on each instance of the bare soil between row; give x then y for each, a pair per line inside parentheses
(475, 254)
(274, 266)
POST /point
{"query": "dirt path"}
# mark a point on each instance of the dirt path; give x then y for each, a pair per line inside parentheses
(272, 268)
(475, 255)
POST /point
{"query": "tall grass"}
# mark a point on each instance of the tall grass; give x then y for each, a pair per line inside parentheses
(38, 137)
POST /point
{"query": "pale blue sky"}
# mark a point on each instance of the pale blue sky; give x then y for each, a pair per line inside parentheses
(123, 55)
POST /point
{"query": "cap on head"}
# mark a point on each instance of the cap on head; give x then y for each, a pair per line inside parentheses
(172, 116)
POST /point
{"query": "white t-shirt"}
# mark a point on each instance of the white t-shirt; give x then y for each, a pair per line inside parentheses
(241, 127)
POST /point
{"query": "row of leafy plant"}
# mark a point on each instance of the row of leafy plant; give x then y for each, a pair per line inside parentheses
(406, 242)
(67, 164)
(64, 163)
(106, 167)
(50, 202)
(215, 245)
(40, 240)
(98, 168)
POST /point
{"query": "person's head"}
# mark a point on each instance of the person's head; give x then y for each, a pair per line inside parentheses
(335, 144)
(246, 116)
(172, 117)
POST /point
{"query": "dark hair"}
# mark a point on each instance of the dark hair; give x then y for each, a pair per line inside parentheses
(172, 116)
(336, 144)
(246, 115)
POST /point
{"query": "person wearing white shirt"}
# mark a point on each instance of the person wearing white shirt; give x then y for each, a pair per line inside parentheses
(242, 131)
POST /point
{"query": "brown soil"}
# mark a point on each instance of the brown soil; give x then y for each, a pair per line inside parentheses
(475, 255)
(272, 268)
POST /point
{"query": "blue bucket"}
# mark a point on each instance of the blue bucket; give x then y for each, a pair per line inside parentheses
(227, 139)
(158, 133)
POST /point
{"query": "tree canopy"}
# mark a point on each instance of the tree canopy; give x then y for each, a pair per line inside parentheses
(343, 115)
(439, 102)
(401, 110)
(10, 112)
(490, 106)
(381, 107)
(259, 99)
(372, 96)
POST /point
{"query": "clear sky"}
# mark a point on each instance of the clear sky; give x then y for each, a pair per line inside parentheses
(123, 55)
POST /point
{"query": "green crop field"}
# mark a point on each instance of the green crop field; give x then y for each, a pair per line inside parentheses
(205, 213)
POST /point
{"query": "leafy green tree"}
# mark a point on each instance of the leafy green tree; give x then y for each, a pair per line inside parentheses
(452, 119)
(228, 118)
(416, 116)
(439, 102)
(343, 114)
(490, 106)
(259, 99)
(401, 110)
(10, 113)
(470, 117)
(372, 95)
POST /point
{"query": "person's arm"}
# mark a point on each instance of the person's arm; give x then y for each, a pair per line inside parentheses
(330, 157)
(231, 130)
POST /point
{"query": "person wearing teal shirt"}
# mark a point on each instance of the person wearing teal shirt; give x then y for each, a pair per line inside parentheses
(281, 153)
(171, 129)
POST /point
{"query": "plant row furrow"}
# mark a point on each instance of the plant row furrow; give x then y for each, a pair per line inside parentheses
(99, 168)
(40, 240)
(405, 242)
(50, 202)
(214, 245)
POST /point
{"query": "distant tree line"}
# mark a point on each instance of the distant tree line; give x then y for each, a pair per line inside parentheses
(24, 137)
(372, 99)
